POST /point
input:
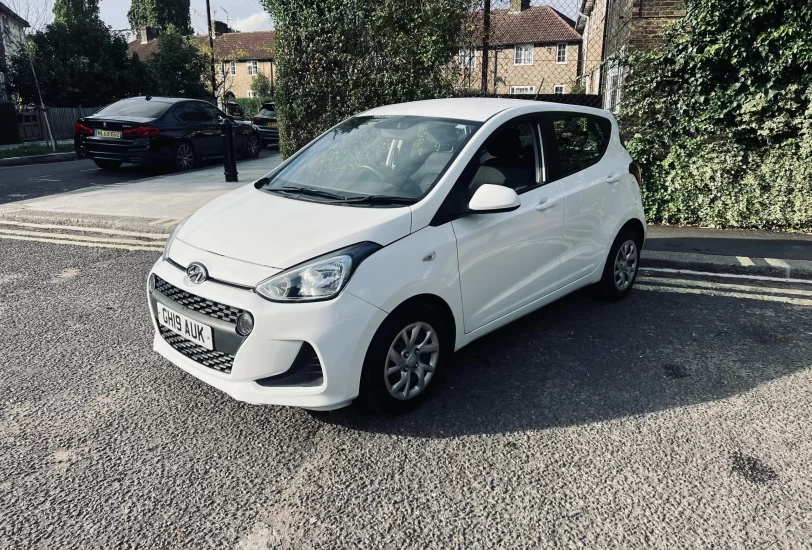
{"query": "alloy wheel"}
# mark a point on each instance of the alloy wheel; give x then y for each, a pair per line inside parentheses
(411, 361)
(185, 157)
(625, 265)
(253, 146)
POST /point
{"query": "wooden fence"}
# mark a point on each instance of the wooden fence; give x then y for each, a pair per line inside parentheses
(32, 124)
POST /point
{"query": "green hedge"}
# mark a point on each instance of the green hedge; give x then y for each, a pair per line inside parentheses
(250, 105)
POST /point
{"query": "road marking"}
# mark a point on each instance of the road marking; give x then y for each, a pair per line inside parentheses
(724, 275)
(76, 243)
(155, 236)
(777, 263)
(84, 238)
(726, 286)
(159, 221)
(170, 222)
(745, 261)
(709, 292)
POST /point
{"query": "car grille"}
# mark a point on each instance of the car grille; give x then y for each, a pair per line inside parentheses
(216, 360)
(213, 309)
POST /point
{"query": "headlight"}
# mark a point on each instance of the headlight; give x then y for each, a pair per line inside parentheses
(168, 245)
(321, 278)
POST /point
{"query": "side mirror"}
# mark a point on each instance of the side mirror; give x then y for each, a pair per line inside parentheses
(491, 199)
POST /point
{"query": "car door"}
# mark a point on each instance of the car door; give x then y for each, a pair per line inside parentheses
(211, 128)
(575, 146)
(508, 260)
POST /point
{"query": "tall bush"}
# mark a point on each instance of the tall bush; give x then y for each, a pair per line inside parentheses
(338, 57)
(720, 116)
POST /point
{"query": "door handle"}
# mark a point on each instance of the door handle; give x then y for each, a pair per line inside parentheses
(546, 204)
(613, 178)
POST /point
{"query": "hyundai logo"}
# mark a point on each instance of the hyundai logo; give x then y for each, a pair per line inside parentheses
(197, 273)
(104, 125)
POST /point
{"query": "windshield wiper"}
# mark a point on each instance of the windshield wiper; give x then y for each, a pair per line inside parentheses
(380, 199)
(311, 192)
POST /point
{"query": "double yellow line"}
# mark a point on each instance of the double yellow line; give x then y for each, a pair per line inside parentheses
(794, 296)
(82, 236)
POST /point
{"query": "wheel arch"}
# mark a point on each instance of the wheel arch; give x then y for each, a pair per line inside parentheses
(438, 304)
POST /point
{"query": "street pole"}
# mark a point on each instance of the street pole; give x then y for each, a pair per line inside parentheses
(211, 47)
(486, 30)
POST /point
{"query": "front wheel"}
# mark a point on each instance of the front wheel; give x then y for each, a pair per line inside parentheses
(108, 164)
(405, 358)
(621, 267)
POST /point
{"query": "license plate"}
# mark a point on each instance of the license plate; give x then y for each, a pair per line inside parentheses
(272, 124)
(108, 133)
(196, 332)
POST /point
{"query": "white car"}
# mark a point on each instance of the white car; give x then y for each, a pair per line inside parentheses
(356, 268)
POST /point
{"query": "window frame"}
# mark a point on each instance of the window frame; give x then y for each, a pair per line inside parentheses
(253, 64)
(550, 142)
(558, 53)
(470, 54)
(556, 87)
(530, 48)
(233, 70)
(532, 90)
(252, 94)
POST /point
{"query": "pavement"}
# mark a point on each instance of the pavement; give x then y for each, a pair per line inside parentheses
(42, 143)
(677, 418)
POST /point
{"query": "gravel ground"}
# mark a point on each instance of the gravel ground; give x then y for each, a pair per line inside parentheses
(669, 420)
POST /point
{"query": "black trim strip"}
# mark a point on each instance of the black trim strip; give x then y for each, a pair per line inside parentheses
(212, 279)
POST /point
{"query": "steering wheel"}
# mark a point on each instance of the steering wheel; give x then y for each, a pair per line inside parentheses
(404, 185)
(375, 171)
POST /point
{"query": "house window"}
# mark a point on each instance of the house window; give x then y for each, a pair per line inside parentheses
(523, 54)
(558, 89)
(252, 68)
(233, 68)
(467, 58)
(252, 93)
(561, 53)
(522, 89)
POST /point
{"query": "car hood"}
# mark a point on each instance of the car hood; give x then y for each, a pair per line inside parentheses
(273, 231)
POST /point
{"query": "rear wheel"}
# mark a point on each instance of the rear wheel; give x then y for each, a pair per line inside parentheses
(405, 358)
(108, 164)
(184, 157)
(253, 147)
(621, 267)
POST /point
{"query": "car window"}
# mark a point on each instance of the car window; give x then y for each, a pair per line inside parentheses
(508, 157)
(189, 111)
(581, 141)
(210, 112)
(139, 107)
(392, 156)
(268, 110)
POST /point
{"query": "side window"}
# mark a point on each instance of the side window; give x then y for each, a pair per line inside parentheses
(188, 112)
(581, 141)
(212, 113)
(508, 157)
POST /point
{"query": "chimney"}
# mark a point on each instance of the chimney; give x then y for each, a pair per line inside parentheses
(518, 6)
(148, 33)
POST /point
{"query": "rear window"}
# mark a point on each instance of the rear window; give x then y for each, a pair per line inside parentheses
(268, 109)
(136, 107)
(581, 140)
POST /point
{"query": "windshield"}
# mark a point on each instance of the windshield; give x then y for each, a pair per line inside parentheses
(136, 107)
(394, 157)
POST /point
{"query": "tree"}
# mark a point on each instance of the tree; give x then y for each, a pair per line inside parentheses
(69, 10)
(160, 14)
(178, 66)
(79, 62)
(261, 86)
(338, 57)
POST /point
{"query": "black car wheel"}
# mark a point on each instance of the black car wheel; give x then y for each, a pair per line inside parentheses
(253, 147)
(108, 164)
(184, 157)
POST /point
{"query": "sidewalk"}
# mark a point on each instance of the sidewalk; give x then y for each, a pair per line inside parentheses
(149, 205)
(41, 143)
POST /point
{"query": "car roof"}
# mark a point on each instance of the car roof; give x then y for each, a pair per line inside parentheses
(162, 99)
(471, 108)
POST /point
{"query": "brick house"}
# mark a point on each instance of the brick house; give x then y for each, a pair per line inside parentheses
(617, 27)
(533, 49)
(12, 38)
(240, 57)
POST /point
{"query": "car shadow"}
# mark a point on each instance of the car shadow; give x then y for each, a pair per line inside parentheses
(790, 248)
(580, 361)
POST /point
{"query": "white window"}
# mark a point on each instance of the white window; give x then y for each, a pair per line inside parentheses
(523, 54)
(252, 68)
(467, 58)
(522, 89)
(558, 89)
(252, 93)
(233, 68)
(561, 53)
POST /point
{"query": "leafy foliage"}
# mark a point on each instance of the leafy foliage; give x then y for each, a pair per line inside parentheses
(338, 57)
(721, 115)
(261, 86)
(79, 62)
(70, 10)
(178, 66)
(160, 14)
(250, 105)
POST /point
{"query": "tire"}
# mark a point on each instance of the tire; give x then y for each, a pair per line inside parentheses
(379, 390)
(184, 157)
(111, 165)
(253, 146)
(621, 267)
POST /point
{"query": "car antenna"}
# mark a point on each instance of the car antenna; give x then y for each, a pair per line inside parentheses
(148, 97)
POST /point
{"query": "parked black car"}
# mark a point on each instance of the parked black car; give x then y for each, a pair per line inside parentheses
(265, 121)
(234, 110)
(159, 130)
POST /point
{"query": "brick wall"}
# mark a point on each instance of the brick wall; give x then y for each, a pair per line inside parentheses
(649, 18)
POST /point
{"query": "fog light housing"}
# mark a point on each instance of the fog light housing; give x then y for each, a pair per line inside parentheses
(151, 283)
(245, 324)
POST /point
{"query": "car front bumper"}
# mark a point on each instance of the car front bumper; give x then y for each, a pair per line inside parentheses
(338, 330)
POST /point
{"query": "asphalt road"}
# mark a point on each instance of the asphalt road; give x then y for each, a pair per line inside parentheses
(38, 180)
(678, 418)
